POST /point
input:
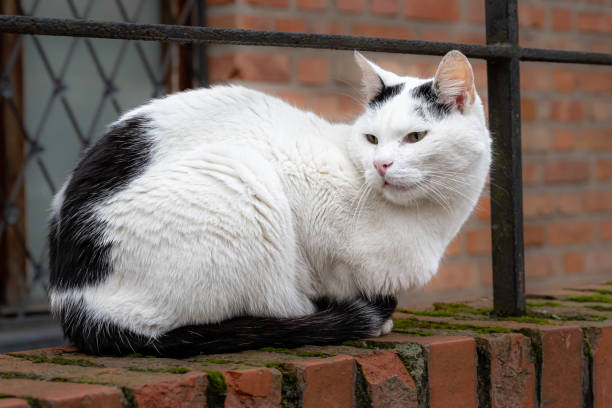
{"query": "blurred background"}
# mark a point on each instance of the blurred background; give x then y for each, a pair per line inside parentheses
(58, 94)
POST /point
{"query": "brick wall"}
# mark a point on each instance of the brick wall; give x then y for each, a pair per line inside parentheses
(450, 355)
(566, 113)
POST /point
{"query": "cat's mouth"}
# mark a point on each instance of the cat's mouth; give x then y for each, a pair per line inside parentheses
(395, 187)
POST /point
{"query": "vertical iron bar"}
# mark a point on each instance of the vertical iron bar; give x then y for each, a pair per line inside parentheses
(202, 63)
(506, 175)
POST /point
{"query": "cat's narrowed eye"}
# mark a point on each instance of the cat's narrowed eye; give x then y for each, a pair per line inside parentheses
(371, 138)
(414, 137)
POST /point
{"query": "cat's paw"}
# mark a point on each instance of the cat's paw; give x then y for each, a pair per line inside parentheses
(385, 328)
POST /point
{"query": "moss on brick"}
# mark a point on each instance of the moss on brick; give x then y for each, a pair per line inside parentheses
(593, 299)
(419, 333)
(129, 398)
(296, 352)
(36, 358)
(601, 308)
(413, 323)
(215, 392)
(544, 304)
(172, 370)
(221, 361)
(10, 375)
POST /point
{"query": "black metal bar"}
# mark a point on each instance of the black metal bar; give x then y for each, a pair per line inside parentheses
(506, 187)
(202, 62)
(191, 34)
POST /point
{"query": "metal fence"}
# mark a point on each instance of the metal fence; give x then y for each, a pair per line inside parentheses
(502, 54)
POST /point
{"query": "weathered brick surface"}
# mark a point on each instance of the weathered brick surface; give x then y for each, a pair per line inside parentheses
(253, 388)
(562, 366)
(327, 383)
(600, 343)
(388, 382)
(512, 378)
(13, 403)
(63, 395)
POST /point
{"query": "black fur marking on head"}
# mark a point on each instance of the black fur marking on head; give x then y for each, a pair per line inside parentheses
(333, 323)
(386, 93)
(427, 93)
(77, 257)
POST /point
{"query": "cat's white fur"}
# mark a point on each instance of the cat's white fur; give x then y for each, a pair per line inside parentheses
(252, 206)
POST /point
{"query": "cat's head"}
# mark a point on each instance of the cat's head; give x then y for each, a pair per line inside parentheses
(421, 139)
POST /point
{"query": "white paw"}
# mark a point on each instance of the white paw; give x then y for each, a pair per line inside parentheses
(386, 328)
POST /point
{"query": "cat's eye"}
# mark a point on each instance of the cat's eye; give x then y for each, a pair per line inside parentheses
(414, 137)
(371, 138)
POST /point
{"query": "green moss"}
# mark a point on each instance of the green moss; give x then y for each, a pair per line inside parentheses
(375, 345)
(608, 283)
(215, 393)
(544, 304)
(12, 376)
(530, 319)
(296, 352)
(458, 308)
(414, 332)
(411, 323)
(425, 313)
(133, 355)
(221, 361)
(601, 308)
(172, 370)
(35, 358)
(593, 298)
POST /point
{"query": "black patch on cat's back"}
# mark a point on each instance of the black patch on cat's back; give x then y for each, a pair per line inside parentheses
(77, 256)
(385, 93)
(426, 92)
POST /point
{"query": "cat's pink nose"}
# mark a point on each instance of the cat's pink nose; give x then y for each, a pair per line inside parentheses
(382, 166)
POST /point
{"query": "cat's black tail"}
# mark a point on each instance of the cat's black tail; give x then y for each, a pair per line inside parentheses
(333, 323)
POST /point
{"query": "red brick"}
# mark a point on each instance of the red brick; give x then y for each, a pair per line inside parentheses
(319, 26)
(382, 31)
(350, 6)
(537, 205)
(536, 78)
(595, 81)
(569, 232)
(536, 139)
(565, 81)
(569, 203)
(564, 140)
(561, 19)
(599, 201)
(534, 235)
(470, 37)
(455, 275)
(188, 389)
(567, 111)
(262, 67)
(531, 173)
(13, 403)
(532, 17)
(313, 70)
(605, 230)
(61, 394)
(594, 22)
(441, 10)
(257, 387)
(290, 25)
(538, 266)
(512, 371)
(293, 98)
(327, 383)
(451, 367)
(600, 110)
(573, 262)
(269, 3)
(566, 171)
(601, 343)
(455, 246)
(476, 12)
(315, 5)
(483, 209)
(594, 140)
(333, 106)
(219, 2)
(433, 34)
(384, 7)
(478, 241)
(247, 22)
(388, 382)
(528, 110)
(562, 365)
(598, 260)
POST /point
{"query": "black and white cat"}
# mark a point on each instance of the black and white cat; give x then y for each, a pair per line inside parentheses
(223, 219)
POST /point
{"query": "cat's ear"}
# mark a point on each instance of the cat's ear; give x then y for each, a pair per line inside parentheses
(373, 78)
(454, 81)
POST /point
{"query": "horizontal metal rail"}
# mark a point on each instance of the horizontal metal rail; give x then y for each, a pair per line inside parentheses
(190, 34)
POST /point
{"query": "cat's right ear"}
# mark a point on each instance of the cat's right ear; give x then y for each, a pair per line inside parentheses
(373, 78)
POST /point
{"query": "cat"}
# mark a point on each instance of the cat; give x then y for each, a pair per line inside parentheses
(223, 219)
